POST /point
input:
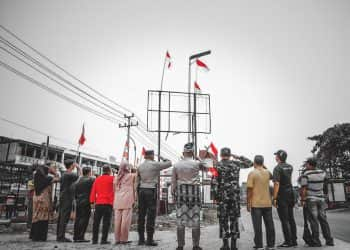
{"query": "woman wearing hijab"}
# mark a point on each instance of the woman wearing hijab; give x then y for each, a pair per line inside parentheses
(124, 198)
(42, 202)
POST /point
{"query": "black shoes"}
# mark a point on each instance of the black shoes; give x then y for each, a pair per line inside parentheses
(179, 248)
(105, 242)
(330, 243)
(64, 240)
(197, 248)
(151, 243)
(81, 241)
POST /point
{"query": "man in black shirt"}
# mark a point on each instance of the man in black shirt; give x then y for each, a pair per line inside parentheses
(283, 198)
(83, 208)
(66, 198)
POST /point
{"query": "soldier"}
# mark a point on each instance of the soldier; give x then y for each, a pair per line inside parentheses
(185, 186)
(148, 174)
(226, 191)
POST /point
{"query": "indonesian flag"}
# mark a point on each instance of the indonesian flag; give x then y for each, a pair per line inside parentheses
(213, 171)
(82, 138)
(125, 152)
(143, 152)
(168, 59)
(213, 149)
(202, 65)
(197, 89)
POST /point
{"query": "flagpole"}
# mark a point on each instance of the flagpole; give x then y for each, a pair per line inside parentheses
(161, 82)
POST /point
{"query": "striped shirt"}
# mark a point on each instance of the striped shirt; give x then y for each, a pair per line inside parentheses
(314, 181)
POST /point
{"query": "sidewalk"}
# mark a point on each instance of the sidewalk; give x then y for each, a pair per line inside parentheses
(166, 240)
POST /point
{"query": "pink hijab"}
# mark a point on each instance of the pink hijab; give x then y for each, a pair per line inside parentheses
(124, 169)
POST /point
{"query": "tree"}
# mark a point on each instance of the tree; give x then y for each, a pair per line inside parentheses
(332, 149)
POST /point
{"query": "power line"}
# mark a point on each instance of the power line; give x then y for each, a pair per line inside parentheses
(54, 92)
(142, 125)
(59, 83)
(27, 56)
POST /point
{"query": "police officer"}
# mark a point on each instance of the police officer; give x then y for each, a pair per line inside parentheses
(226, 191)
(148, 174)
(283, 198)
(185, 186)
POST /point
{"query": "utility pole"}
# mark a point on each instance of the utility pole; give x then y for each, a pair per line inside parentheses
(128, 125)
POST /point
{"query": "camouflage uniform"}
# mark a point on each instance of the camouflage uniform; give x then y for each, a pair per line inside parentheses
(226, 191)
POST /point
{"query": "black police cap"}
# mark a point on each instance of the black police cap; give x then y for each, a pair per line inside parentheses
(281, 154)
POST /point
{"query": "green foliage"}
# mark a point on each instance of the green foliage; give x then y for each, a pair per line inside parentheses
(332, 148)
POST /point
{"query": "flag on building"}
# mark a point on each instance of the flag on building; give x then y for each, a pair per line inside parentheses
(168, 59)
(202, 65)
(82, 138)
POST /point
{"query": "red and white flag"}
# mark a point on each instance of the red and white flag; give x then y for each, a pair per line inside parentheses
(202, 65)
(213, 149)
(82, 138)
(143, 152)
(168, 59)
(197, 88)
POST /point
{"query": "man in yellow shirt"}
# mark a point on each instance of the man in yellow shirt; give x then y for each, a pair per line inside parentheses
(259, 203)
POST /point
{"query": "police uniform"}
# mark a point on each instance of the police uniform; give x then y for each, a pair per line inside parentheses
(226, 191)
(186, 189)
(148, 174)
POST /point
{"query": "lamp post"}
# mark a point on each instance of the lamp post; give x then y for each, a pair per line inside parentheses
(194, 132)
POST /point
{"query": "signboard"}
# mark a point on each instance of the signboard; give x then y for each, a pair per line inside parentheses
(26, 160)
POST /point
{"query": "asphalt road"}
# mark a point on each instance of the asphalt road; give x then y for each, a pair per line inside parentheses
(339, 221)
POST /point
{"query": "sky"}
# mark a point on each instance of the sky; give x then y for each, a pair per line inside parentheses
(278, 69)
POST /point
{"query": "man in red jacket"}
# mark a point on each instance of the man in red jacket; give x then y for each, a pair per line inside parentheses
(102, 196)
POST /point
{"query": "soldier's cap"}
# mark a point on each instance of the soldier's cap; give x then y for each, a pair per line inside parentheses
(225, 152)
(188, 148)
(281, 154)
(311, 161)
(149, 153)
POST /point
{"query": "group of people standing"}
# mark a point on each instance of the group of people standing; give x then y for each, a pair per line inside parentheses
(108, 193)
(284, 198)
(103, 194)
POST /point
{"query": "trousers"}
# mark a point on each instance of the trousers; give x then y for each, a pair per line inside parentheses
(82, 218)
(147, 207)
(266, 214)
(228, 214)
(104, 213)
(318, 217)
(65, 209)
(286, 215)
(196, 233)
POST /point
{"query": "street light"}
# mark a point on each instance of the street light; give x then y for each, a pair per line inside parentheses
(190, 61)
